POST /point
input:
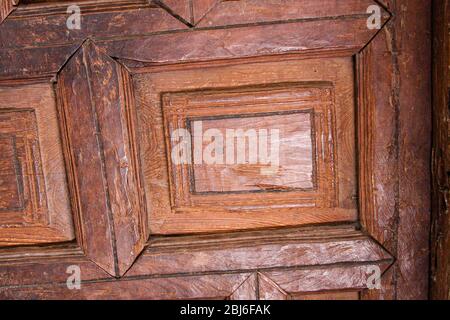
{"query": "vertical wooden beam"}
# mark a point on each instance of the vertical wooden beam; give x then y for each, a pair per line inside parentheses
(96, 104)
(440, 250)
(413, 40)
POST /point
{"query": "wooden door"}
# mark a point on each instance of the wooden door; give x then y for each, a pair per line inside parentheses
(187, 149)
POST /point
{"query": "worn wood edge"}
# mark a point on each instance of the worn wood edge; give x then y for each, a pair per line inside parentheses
(121, 49)
(58, 257)
(217, 286)
(117, 48)
(209, 19)
(24, 266)
(266, 250)
(125, 99)
(440, 239)
(351, 275)
(93, 6)
(413, 36)
(6, 8)
(341, 277)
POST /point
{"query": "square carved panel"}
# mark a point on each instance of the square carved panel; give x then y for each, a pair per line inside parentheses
(34, 200)
(247, 146)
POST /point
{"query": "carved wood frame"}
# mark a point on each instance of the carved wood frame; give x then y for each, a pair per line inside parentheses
(389, 140)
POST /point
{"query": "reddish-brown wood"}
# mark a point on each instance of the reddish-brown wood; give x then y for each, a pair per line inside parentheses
(100, 20)
(218, 287)
(440, 240)
(238, 49)
(6, 7)
(98, 113)
(201, 8)
(259, 250)
(43, 265)
(414, 129)
(181, 9)
(331, 295)
(323, 86)
(310, 35)
(34, 199)
(228, 13)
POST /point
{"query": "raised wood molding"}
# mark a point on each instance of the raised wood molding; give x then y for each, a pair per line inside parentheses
(96, 103)
(284, 284)
(34, 197)
(395, 210)
(226, 13)
(147, 46)
(217, 287)
(259, 250)
(232, 260)
(390, 97)
(231, 94)
(6, 7)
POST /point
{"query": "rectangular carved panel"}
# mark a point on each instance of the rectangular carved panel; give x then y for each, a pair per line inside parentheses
(208, 135)
(23, 198)
(245, 164)
(34, 201)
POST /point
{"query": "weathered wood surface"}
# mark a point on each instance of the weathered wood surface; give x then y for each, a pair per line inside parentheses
(394, 124)
(218, 287)
(440, 237)
(398, 98)
(97, 107)
(34, 197)
(259, 250)
(45, 265)
(6, 7)
(37, 34)
(329, 87)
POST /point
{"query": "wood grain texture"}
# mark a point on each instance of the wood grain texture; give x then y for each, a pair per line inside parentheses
(97, 105)
(181, 9)
(440, 240)
(6, 7)
(244, 172)
(200, 8)
(223, 287)
(288, 284)
(34, 205)
(245, 41)
(44, 265)
(396, 188)
(45, 24)
(258, 250)
(378, 149)
(274, 182)
(414, 148)
(330, 295)
(329, 34)
(263, 11)
(250, 43)
(173, 210)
